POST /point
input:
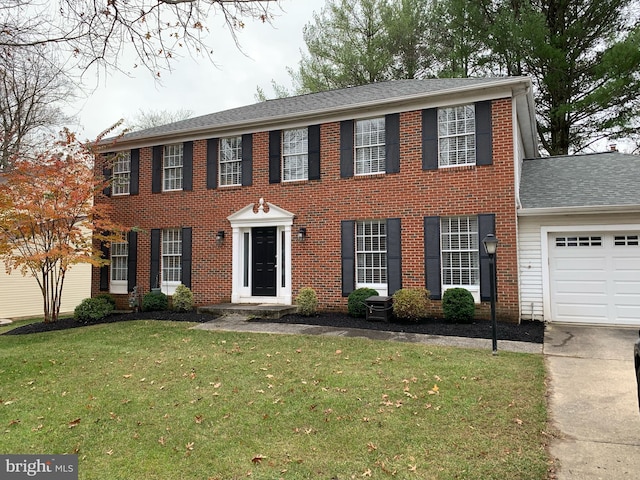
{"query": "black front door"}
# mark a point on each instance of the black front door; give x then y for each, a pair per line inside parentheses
(264, 248)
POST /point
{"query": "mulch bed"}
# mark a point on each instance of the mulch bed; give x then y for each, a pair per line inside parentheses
(526, 331)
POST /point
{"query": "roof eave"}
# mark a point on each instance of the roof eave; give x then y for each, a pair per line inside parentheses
(313, 116)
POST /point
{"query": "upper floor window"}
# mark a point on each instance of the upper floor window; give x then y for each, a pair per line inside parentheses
(371, 255)
(171, 256)
(370, 146)
(172, 163)
(119, 254)
(121, 174)
(460, 255)
(295, 157)
(231, 161)
(456, 136)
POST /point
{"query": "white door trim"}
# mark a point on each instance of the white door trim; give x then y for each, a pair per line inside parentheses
(243, 221)
(545, 231)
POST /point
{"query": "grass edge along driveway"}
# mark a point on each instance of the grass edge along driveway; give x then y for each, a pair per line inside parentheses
(157, 400)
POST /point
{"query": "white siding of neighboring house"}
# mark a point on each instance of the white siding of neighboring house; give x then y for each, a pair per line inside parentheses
(530, 253)
(21, 297)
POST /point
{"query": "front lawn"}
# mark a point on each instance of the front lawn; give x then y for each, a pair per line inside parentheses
(156, 400)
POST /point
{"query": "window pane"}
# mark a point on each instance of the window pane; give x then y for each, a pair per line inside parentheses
(119, 261)
(231, 161)
(172, 167)
(171, 255)
(295, 165)
(371, 252)
(456, 132)
(370, 150)
(460, 257)
(121, 174)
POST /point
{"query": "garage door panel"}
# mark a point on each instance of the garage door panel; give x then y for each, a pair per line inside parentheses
(595, 278)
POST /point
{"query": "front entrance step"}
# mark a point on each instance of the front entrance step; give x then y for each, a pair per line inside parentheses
(261, 310)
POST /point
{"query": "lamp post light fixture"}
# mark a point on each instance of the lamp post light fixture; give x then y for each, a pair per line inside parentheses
(490, 243)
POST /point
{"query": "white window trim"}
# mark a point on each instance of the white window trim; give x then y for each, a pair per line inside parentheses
(118, 286)
(116, 175)
(473, 289)
(381, 288)
(286, 156)
(165, 168)
(441, 137)
(357, 147)
(168, 287)
(235, 160)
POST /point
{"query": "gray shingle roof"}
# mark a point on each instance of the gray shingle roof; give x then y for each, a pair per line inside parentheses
(593, 180)
(318, 102)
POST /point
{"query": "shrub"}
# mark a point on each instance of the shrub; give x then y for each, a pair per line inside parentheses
(355, 303)
(411, 304)
(92, 309)
(458, 305)
(307, 301)
(182, 299)
(155, 301)
(108, 297)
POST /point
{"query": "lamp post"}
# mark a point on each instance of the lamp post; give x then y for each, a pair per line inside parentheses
(490, 243)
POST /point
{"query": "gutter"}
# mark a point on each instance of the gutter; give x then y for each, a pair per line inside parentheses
(580, 210)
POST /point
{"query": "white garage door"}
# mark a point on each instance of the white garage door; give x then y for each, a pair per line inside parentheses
(595, 277)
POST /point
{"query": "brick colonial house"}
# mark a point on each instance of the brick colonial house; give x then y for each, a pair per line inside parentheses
(389, 185)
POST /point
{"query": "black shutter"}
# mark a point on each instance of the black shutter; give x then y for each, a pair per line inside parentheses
(106, 173)
(104, 269)
(346, 148)
(156, 169)
(212, 163)
(432, 257)
(275, 162)
(484, 142)
(132, 261)
(154, 273)
(430, 139)
(348, 236)
(247, 160)
(313, 149)
(187, 166)
(394, 255)
(486, 225)
(392, 143)
(134, 181)
(186, 257)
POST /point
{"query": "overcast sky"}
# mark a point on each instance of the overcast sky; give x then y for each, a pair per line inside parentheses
(198, 85)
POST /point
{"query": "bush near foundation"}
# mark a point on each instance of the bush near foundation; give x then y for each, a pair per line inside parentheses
(307, 301)
(355, 302)
(458, 305)
(411, 304)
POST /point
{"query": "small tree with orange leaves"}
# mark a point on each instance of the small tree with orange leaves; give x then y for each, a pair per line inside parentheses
(48, 220)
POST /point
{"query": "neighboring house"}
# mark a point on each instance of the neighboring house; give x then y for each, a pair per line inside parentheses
(579, 245)
(389, 185)
(21, 297)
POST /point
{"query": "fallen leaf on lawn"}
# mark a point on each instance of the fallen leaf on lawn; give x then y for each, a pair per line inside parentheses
(189, 446)
(258, 458)
(74, 423)
(109, 452)
(338, 352)
(518, 421)
(371, 447)
(434, 391)
(14, 422)
(198, 419)
(128, 375)
(367, 473)
(161, 441)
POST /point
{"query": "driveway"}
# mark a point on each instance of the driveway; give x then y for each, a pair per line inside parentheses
(593, 401)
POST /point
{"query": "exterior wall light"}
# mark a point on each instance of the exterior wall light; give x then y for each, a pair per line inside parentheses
(220, 236)
(302, 233)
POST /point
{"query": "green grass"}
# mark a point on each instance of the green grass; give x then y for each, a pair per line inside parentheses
(156, 400)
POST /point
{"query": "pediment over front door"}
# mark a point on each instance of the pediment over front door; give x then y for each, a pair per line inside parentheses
(264, 214)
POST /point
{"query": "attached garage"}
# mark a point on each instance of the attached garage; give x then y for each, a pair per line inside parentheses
(579, 239)
(595, 277)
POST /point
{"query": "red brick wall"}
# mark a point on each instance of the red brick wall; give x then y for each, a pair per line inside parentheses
(320, 206)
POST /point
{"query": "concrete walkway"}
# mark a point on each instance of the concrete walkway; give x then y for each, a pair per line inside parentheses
(593, 402)
(239, 323)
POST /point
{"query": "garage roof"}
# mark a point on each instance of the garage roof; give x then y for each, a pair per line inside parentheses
(572, 182)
